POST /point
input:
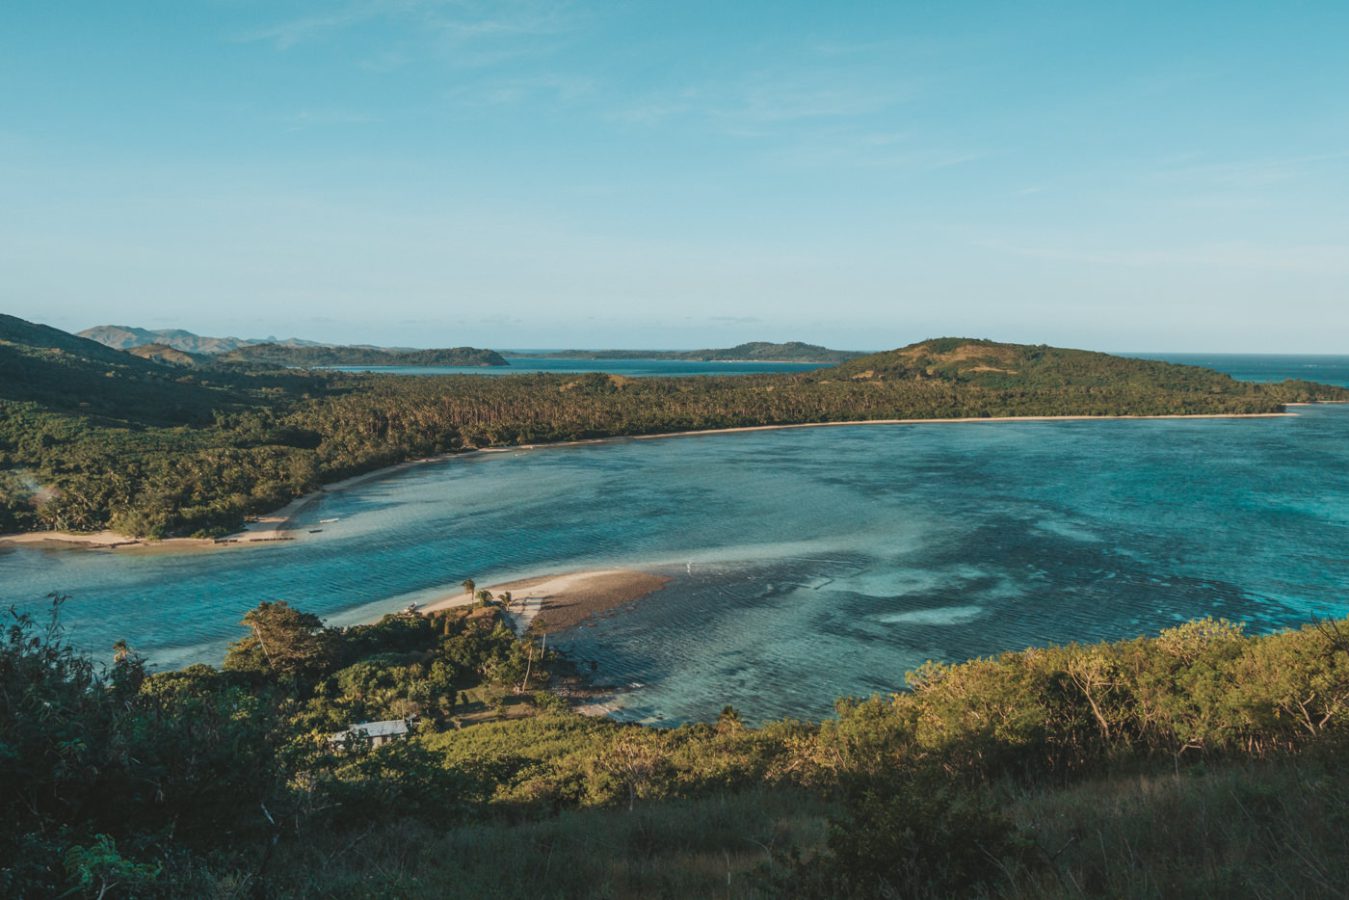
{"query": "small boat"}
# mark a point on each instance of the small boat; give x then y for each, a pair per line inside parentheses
(315, 530)
(326, 521)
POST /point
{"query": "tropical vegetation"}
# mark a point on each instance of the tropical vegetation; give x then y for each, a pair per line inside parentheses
(94, 438)
(1200, 762)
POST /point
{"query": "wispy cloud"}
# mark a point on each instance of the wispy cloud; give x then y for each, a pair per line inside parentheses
(558, 88)
(284, 35)
(769, 99)
(840, 108)
(456, 21)
(317, 118)
(764, 100)
(844, 148)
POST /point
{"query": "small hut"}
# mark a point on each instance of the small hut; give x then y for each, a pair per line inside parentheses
(376, 733)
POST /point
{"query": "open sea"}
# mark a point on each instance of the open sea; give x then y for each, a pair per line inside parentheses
(807, 563)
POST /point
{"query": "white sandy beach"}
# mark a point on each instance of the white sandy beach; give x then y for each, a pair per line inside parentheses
(561, 600)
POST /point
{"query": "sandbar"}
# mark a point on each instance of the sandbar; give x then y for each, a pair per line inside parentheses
(552, 603)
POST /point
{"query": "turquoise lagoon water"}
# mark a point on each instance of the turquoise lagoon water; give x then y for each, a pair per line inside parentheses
(806, 563)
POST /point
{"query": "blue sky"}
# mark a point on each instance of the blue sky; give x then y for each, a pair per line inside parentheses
(1119, 176)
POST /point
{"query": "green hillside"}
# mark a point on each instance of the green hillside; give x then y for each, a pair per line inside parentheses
(92, 437)
(163, 353)
(1201, 762)
(1020, 366)
(69, 374)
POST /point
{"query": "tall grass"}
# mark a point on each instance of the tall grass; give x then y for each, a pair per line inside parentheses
(1260, 830)
(711, 847)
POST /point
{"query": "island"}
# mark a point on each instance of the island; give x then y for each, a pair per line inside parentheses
(753, 351)
(212, 445)
(328, 356)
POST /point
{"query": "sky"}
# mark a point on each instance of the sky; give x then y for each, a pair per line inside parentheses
(1132, 176)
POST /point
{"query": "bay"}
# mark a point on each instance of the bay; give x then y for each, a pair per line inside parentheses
(807, 563)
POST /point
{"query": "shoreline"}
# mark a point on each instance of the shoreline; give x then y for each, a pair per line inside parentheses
(557, 602)
(282, 520)
(548, 604)
(611, 359)
(269, 528)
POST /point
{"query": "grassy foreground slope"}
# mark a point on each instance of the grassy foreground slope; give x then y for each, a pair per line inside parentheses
(92, 438)
(1201, 762)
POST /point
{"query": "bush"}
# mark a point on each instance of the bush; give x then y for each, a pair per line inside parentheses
(914, 838)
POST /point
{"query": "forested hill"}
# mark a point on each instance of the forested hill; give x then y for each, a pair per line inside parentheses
(289, 355)
(92, 437)
(165, 354)
(764, 351)
(1022, 366)
(60, 372)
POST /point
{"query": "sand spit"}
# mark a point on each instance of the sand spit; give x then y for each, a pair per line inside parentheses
(552, 603)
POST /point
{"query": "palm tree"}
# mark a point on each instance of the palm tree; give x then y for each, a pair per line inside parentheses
(485, 596)
(505, 598)
(470, 586)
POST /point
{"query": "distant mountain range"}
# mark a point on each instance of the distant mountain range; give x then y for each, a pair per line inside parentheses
(183, 348)
(125, 337)
(179, 347)
(754, 351)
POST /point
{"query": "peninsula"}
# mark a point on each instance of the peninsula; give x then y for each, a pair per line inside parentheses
(100, 439)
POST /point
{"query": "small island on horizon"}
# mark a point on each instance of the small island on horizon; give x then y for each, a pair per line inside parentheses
(752, 351)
